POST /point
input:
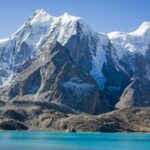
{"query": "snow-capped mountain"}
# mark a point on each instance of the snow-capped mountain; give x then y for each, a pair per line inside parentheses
(26, 43)
(62, 60)
(37, 39)
(133, 42)
(133, 52)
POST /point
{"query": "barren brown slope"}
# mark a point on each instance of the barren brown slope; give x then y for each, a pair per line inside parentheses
(60, 118)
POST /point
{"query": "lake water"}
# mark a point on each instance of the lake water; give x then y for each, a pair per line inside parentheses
(73, 141)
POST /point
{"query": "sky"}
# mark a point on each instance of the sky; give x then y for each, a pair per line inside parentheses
(102, 15)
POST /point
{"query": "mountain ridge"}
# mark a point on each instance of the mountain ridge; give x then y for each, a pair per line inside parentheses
(62, 65)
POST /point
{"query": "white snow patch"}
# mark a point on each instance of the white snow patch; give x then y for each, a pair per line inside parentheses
(144, 27)
(133, 42)
(78, 88)
(3, 42)
(77, 85)
(40, 17)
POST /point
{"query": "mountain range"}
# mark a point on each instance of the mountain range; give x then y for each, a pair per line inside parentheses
(57, 73)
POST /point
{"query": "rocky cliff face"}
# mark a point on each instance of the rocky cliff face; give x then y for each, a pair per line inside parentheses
(135, 95)
(62, 62)
(133, 50)
(54, 59)
(57, 80)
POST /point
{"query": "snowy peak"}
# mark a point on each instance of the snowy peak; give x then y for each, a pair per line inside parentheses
(40, 25)
(132, 42)
(67, 17)
(40, 16)
(40, 12)
(144, 27)
(42, 30)
(141, 30)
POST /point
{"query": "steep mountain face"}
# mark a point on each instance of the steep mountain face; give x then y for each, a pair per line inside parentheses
(72, 32)
(57, 80)
(135, 95)
(38, 68)
(133, 51)
(61, 61)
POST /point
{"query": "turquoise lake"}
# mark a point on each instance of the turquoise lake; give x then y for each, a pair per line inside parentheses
(73, 141)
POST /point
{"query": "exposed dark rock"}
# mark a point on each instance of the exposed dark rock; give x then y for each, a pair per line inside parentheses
(116, 78)
(16, 114)
(58, 79)
(12, 125)
(71, 130)
(2, 103)
(137, 94)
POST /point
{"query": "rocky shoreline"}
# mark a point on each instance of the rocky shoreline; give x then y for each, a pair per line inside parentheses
(62, 119)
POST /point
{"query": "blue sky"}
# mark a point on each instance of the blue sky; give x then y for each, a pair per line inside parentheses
(102, 15)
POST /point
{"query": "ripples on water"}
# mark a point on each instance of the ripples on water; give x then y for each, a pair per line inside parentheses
(73, 141)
